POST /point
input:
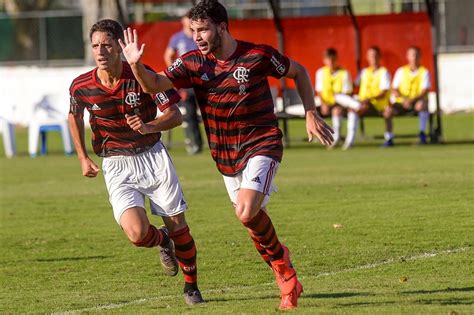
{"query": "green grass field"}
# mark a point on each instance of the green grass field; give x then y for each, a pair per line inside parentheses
(405, 212)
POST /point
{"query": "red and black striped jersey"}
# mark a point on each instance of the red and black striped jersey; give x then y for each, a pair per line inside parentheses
(111, 135)
(235, 101)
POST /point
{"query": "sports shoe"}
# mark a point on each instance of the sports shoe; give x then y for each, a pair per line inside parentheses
(388, 143)
(422, 137)
(193, 297)
(285, 274)
(290, 301)
(167, 257)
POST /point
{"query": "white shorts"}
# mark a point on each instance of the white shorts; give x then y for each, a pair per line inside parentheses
(130, 178)
(257, 175)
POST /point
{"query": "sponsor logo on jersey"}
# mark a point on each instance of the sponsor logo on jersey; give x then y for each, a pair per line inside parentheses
(241, 74)
(133, 99)
(95, 107)
(162, 98)
(178, 62)
(280, 68)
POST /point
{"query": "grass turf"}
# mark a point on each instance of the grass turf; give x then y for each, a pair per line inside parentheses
(405, 212)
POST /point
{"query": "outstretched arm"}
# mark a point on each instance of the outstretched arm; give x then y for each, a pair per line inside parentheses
(150, 81)
(315, 125)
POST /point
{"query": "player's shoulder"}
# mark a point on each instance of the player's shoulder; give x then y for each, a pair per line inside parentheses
(82, 80)
(258, 48)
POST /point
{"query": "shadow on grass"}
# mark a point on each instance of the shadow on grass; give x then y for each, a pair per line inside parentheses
(446, 301)
(72, 258)
(447, 290)
(335, 295)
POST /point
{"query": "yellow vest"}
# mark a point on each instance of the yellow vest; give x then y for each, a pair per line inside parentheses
(370, 87)
(333, 83)
(410, 85)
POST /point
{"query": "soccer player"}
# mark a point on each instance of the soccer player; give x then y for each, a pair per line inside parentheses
(179, 44)
(230, 80)
(135, 163)
(374, 92)
(334, 86)
(410, 88)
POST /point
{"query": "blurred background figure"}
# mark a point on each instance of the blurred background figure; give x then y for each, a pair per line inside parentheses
(179, 44)
(410, 88)
(334, 86)
(374, 92)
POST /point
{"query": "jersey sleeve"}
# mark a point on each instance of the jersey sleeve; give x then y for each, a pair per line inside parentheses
(274, 63)
(178, 73)
(385, 81)
(319, 81)
(347, 83)
(76, 107)
(165, 100)
(397, 78)
(426, 81)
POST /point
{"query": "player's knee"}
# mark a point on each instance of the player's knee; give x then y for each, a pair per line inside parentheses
(243, 212)
(388, 112)
(136, 233)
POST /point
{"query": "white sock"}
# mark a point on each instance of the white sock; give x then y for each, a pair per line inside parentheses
(336, 125)
(352, 119)
(388, 135)
(423, 116)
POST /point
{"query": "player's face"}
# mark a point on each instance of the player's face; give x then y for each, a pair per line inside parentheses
(330, 61)
(206, 35)
(372, 57)
(412, 56)
(106, 50)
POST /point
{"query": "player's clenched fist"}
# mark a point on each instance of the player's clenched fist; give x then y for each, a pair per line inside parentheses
(137, 124)
(89, 168)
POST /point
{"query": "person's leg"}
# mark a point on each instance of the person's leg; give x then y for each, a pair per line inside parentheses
(191, 123)
(423, 115)
(336, 119)
(139, 231)
(167, 200)
(251, 199)
(388, 113)
(352, 120)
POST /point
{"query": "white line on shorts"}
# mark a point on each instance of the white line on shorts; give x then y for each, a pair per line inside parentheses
(322, 274)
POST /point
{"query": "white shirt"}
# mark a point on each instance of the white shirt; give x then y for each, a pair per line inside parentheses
(425, 81)
(346, 85)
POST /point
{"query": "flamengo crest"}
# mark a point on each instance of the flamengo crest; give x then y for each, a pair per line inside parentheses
(133, 99)
(241, 74)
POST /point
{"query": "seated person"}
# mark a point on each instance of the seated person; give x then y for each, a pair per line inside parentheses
(410, 88)
(334, 85)
(374, 92)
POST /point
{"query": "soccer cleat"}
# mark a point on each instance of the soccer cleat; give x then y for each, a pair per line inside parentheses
(290, 301)
(422, 137)
(167, 257)
(389, 143)
(285, 274)
(193, 297)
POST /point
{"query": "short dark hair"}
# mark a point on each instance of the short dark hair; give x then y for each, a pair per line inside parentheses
(415, 48)
(376, 49)
(112, 27)
(209, 9)
(330, 52)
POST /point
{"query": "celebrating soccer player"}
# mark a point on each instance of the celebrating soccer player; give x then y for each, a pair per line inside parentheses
(135, 163)
(411, 85)
(230, 80)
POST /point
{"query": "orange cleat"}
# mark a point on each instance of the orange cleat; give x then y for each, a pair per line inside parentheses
(285, 274)
(290, 301)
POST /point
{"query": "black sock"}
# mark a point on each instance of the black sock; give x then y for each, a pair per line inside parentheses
(190, 287)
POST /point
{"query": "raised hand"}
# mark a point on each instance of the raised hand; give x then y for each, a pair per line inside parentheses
(316, 126)
(130, 48)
